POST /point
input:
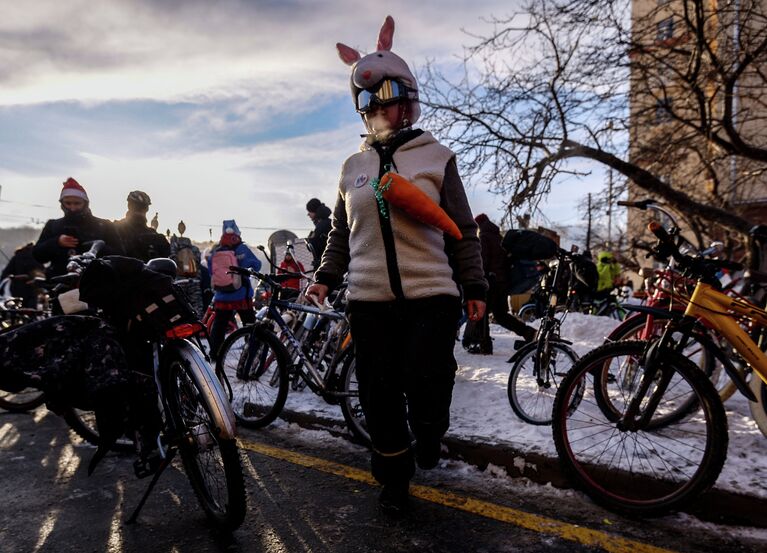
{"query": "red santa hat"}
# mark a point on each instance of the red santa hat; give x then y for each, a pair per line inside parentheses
(71, 189)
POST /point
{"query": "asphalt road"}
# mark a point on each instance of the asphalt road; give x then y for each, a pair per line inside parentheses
(306, 493)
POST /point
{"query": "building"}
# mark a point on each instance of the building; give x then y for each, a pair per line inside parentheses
(680, 72)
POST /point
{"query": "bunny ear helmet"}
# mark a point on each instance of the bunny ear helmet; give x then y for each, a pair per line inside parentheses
(369, 70)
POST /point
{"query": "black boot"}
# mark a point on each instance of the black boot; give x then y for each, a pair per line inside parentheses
(427, 452)
(395, 498)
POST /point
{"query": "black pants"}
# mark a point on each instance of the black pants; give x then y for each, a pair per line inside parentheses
(498, 305)
(222, 319)
(406, 370)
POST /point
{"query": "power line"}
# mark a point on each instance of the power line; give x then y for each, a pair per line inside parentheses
(27, 204)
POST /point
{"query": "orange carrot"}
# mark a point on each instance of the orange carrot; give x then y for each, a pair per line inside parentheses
(403, 194)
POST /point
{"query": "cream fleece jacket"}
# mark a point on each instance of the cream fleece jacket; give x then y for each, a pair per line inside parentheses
(400, 257)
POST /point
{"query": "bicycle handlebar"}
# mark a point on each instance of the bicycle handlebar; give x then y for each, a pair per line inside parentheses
(643, 204)
(77, 263)
(698, 266)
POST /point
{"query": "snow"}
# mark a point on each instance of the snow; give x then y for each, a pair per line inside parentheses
(480, 410)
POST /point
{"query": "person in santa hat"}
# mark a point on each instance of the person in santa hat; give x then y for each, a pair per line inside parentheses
(71, 234)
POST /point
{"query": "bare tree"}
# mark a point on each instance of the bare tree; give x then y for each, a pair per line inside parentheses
(677, 93)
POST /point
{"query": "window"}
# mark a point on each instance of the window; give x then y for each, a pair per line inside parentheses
(665, 30)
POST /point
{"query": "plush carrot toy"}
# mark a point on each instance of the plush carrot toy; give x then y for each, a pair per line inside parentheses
(403, 194)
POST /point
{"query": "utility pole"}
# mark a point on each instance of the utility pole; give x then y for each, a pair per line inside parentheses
(588, 227)
(610, 207)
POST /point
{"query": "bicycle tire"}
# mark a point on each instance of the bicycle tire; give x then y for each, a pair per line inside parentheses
(350, 404)
(759, 407)
(256, 365)
(629, 480)
(21, 402)
(83, 423)
(523, 384)
(528, 313)
(612, 385)
(204, 454)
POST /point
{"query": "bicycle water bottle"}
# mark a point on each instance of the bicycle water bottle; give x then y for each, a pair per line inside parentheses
(310, 321)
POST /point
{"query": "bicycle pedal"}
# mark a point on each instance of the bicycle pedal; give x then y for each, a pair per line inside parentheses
(144, 467)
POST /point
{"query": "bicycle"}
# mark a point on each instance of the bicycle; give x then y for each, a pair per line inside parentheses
(539, 366)
(12, 315)
(637, 463)
(259, 366)
(196, 420)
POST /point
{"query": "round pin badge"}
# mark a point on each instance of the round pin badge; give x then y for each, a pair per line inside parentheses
(360, 181)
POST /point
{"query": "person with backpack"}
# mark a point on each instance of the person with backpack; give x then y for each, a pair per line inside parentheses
(232, 292)
(404, 232)
(494, 260)
(69, 235)
(139, 240)
(319, 213)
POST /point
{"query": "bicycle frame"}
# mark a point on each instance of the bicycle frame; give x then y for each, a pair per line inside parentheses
(311, 375)
(712, 307)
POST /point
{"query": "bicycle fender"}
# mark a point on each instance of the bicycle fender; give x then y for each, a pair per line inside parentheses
(215, 396)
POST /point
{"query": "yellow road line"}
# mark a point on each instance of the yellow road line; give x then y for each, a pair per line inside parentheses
(528, 521)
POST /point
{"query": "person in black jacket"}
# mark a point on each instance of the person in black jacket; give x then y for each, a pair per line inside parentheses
(22, 269)
(139, 240)
(319, 213)
(62, 238)
(494, 262)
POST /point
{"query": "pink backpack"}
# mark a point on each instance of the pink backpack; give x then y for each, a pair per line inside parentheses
(221, 279)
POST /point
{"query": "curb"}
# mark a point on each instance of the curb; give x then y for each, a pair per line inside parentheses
(716, 505)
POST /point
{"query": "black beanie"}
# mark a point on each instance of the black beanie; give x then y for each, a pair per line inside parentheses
(313, 205)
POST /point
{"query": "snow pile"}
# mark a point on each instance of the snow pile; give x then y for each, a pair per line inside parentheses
(481, 411)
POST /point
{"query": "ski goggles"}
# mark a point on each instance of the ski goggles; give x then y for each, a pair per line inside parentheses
(384, 93)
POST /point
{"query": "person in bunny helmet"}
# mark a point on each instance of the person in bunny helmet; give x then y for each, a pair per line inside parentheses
(406, 274)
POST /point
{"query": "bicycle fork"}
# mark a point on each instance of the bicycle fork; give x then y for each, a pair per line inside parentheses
(635, 418)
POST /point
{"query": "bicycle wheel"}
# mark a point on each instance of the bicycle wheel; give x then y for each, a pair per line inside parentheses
(528, 313)
(350, 404)
(628, 466)
(612, 386)
(759, 407)
(531, 393)
(19, 402)
(256, 364)
(83, 423)
(212, 464)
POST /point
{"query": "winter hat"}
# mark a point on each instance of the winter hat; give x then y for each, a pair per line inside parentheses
(369, 70)
(72, 189)
(313, 205)
(481, 218)
(230, 227)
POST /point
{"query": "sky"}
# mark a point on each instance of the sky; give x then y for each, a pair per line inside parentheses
(218, 110)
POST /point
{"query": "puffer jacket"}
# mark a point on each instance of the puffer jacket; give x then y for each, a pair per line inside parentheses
(245, 259)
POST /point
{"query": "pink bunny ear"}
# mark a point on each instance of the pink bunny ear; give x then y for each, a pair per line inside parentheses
(348, 55)
(385, 34)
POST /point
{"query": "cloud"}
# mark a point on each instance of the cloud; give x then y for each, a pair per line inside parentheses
(218, 109)
(86, 51)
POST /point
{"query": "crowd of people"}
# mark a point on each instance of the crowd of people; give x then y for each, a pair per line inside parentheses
(402, 235)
